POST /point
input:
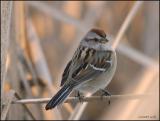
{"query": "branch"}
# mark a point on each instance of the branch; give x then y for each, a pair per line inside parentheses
(9, 99)
(25, 107)
(85, 99)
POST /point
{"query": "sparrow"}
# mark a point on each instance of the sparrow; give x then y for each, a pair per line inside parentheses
(91, 68)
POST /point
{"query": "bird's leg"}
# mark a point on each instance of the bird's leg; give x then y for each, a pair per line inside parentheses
(106, 93)
(79, 96)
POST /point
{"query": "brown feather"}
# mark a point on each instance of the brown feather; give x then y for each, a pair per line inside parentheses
(99, 32)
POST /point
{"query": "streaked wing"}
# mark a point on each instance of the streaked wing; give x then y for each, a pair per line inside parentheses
(70, 64)
(65, 73)
(99, 63)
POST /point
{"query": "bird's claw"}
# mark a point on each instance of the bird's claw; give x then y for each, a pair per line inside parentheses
(106, 93)
(80, 97)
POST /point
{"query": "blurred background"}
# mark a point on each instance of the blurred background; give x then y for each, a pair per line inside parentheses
(43, 38)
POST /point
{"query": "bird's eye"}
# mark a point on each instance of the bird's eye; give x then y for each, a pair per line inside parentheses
(95, 39)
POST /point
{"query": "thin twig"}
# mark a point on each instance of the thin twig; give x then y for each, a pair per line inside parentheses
(85, 99)
(25, 107)
(126, 22)
(79, 109)
(8, 100)
(9, 97)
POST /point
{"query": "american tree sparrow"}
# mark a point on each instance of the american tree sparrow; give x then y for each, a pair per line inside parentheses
(90, 69)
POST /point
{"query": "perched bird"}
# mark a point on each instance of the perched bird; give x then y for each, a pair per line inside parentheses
(90, 69)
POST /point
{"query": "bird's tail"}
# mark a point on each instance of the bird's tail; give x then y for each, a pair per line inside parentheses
(59, 97)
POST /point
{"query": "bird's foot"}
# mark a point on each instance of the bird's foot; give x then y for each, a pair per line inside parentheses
(80, 97)
(106, 93)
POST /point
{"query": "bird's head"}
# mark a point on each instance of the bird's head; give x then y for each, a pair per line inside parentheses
(96, 36)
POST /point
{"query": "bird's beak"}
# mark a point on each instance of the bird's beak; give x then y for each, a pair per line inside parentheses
(104, 40)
